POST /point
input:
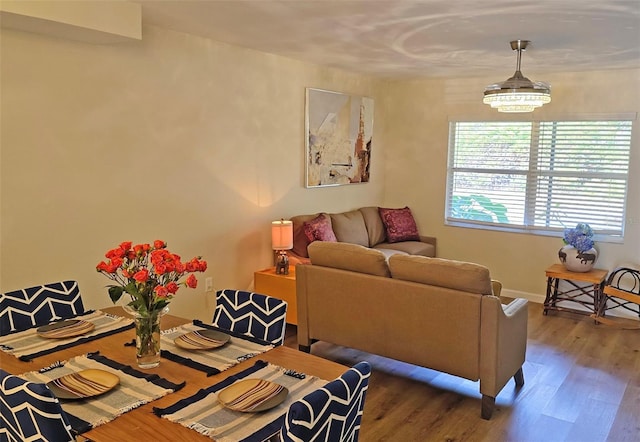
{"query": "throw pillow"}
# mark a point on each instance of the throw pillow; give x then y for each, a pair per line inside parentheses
(319, 229)
(399, 225)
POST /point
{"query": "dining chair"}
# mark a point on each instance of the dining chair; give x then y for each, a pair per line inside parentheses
(30, 411)
(253, 314)
(39, 305)
(331, 413)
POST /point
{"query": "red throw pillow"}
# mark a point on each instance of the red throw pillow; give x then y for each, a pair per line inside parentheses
(319, 229)
(399, 224)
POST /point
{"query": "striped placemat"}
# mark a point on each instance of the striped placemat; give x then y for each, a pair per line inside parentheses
(27, 345)
(135, 389)
(203, 413)
(216, 360)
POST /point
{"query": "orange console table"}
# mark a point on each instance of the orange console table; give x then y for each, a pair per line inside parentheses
(589, 294)
(279, 286)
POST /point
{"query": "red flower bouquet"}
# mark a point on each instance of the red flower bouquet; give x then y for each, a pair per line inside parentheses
(150, 274)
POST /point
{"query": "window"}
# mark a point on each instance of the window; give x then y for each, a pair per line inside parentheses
(539, 176)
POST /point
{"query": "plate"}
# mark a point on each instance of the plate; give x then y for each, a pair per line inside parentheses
(252, 395)
(65, 329)
(202, 340)
(83, 384)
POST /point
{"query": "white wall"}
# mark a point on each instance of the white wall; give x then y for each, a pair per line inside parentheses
(417, 114)
(175, 137)
(202, 144)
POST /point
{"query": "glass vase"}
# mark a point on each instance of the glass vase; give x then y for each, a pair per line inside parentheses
(148, 336)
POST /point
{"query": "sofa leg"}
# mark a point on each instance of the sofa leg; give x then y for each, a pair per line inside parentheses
(488, 404)
(519, 378)
(305, 348)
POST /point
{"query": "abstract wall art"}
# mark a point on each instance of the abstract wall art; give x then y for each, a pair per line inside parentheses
(339, 129)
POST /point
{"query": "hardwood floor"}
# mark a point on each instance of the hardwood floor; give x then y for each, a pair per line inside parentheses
(582, 384)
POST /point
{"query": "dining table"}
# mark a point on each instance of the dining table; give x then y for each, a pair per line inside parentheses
(141, 423)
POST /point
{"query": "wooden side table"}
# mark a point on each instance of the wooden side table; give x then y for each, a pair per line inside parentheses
(279, 286)
(588, 295)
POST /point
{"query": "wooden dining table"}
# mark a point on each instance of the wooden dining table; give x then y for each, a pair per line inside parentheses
(140, 423)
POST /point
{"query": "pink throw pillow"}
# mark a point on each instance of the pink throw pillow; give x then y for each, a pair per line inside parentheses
(319, 229)
(399, 224)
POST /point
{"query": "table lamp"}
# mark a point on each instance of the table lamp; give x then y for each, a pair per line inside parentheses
(281, 241)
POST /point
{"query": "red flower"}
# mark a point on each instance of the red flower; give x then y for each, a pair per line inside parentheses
(159, 244)
(191, 281)
(141, 249)
(142, 275)
(126, 245)
(103, 267)
(115, 253)
(161, 291)
(202, 266)
(172, 287)
(193, 265)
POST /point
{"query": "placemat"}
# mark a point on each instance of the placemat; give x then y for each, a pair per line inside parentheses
(135, 389)
(214, 361)
(27, 345)
(203, 413)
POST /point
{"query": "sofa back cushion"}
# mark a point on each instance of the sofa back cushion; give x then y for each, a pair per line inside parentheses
(375, 228)
(300, 240)
(350, 227)
(457, 275)
(351, 257)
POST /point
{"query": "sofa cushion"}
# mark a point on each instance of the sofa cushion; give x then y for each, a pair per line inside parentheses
(319, 229)
(345, 256)
(350, 227)
(410, 247)
(389, 252)
(300, 240)
(457, 275)
(399, 225)
(375, 228)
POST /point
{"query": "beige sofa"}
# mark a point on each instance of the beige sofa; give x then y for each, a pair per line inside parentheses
(362, 226)
(436, 313)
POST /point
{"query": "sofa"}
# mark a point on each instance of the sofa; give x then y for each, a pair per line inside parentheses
(392, 231)
(435, 313)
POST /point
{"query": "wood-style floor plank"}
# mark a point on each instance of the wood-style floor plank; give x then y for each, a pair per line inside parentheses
(582, 384)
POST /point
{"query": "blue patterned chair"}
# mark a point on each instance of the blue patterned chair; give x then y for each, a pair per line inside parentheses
(331, 413)
(39, 305)
(30, 411)
(252, 314)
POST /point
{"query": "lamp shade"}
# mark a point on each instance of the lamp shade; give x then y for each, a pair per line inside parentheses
(518, 93)
(282, 235)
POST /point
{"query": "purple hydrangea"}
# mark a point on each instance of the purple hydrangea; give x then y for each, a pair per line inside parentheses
(579, 237)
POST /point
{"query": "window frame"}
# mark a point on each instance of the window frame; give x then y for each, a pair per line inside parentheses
(531, 174)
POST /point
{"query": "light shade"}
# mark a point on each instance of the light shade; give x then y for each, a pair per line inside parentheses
(282, 235)
(518, 93)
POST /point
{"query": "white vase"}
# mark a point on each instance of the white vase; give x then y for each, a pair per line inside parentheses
(576, 261)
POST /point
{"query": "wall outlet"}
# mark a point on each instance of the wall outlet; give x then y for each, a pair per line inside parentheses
(208, 284)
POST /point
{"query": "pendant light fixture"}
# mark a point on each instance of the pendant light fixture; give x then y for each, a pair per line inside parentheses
(518, 93)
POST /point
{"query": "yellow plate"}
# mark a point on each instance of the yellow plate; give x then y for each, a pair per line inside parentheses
(201, 340)
(252, 395)
(83, 384)
(65, 329)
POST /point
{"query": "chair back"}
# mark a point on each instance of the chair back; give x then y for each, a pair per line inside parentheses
(253, 314)
(331, 413)
(30, 411)
(39, 305)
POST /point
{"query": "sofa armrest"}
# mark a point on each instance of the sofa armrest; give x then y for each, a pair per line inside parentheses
(503, 342)
(428, 239)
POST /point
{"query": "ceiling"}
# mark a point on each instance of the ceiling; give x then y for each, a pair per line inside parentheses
(419, 38)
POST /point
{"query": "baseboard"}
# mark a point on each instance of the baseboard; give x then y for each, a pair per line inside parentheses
(539, 299)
